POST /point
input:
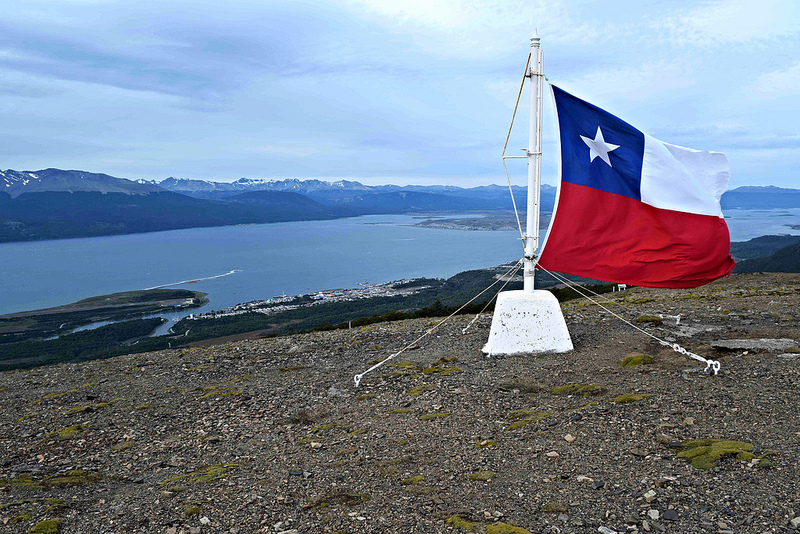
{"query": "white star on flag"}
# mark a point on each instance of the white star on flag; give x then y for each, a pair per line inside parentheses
(598, 147)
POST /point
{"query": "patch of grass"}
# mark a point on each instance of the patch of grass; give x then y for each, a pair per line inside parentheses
(48, 526)
(54, 505)
(793, 350)
(346, 498)
(68, 432)
(441, 371)
(73, 478)
(320, 428)
(28, 416)
(456, 521)
(630, 397)
(23, 481)
(122, 446)
(398, 410)
(706, 453)
(554, 508)
(416, 391)
(634, 360)
(584, 390)
(505, 528)
(650, 319)
(21, 518)
(420, 490)
(145, 406)
(191, 509)
(365, 397)
(412, 481)
(524, 417)
(430, 416)
(481, 476)
(524, 385)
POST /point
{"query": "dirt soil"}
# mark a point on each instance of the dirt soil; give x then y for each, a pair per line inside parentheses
(271, 435)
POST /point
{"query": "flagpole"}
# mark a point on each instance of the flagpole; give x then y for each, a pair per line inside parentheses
(534, 151)
(529, 320)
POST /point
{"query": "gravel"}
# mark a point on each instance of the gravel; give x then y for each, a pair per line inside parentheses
(271, 436)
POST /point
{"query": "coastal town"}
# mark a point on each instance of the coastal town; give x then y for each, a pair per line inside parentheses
(283, 303)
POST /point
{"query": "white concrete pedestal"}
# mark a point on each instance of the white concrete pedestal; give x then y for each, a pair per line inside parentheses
(527, 322)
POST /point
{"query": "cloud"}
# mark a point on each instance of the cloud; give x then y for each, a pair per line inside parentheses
(723, 22)
(780, 83)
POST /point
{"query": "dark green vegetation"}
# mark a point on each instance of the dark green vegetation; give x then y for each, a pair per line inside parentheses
(785, 260)
(102, 342)
(49, 322)
(761, 246)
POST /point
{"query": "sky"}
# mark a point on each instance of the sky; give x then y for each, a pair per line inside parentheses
(385, 91)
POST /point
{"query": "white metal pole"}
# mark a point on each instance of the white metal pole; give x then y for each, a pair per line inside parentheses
(536, 76)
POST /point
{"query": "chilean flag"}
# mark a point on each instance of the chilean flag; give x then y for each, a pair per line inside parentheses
(631, 209)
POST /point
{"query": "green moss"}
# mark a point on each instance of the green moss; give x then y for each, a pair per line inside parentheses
(48, 526)
(630, 397)
(585, 390)
(505, 528)
(481, 476)
(486, 444)
(347, 498)
(68, 432)
(320, 428)
(652, 319)
(442, 371)
(73, 478)
(398, 410)
(413, 481)
(145, 406)
(524, 385)
(191, 509)
(429, 416)
(28, 416)
(635, 360)
(23, 481)
(456, 521)
(122, 446)
(524, 417)
(416, 391)
(54, 505)
(292, 368)
(706, 453)
(21, 518)
(793, 350)
(365, 397)
(420, 490)
(554, 508)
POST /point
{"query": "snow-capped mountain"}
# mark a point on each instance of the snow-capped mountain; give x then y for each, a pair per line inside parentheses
(15, 183)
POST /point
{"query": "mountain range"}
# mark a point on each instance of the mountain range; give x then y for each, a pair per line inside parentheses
(55, 203)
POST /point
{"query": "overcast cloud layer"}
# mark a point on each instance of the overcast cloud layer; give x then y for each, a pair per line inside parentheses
(382, 91)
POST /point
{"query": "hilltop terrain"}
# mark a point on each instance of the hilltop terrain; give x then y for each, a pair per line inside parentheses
(269, 435)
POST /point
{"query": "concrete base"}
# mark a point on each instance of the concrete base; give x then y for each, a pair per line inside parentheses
(527, 322)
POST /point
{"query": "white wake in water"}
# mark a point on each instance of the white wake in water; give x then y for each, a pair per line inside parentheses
(195, 280)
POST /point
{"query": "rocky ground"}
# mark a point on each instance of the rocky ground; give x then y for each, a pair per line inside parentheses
(271, 436)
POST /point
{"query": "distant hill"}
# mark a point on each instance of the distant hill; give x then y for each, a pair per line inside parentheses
(761, 246)
(785, 260)
(761, 197)
(16, 183)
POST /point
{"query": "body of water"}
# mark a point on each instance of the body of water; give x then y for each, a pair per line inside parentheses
(235, 264)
